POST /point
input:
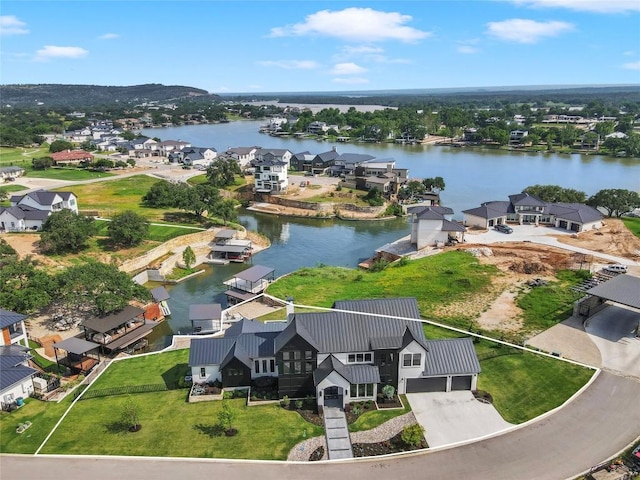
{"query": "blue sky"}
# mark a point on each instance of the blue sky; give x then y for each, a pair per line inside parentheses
(282, 46)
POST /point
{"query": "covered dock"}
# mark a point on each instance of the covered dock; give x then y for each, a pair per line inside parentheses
(249, 283)
(81, 355)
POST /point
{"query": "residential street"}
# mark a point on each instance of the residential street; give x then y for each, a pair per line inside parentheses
(596, 424)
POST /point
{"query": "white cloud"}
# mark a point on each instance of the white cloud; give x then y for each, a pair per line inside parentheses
(360, 24)
(526, 31)
(366, 53)
(348, 68)
(109, 36)
(290, 64)
(467, 49)
(628, 53)
(351, 80)
(597, 6)
(11, 25)
(52, 51)
(631, 66)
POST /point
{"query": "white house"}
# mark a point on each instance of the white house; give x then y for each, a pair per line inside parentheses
(433, 225)
(280, 154)
(243, 155)
(9, 174)
(198, 156)
(30, 211)
(13, 328)
(16, 376)
(271, 176)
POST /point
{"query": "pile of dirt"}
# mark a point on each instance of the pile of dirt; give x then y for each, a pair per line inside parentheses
(528, 267)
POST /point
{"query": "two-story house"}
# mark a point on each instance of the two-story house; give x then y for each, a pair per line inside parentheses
(432, 225)
(16, 376)
(281, 154)
(30, 211)
(13, 328)
(347, 354)
(243, 155)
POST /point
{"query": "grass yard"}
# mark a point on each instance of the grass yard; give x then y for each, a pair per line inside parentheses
(157, 233)
(526, 385)
(435, 281)
(71, 174)
(633, 224)
(20, 156)
(42, 415)
(543, 307)
(116, 196)
(173, 427)
(374, 418)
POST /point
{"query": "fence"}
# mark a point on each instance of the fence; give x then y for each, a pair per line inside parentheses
(110, 392)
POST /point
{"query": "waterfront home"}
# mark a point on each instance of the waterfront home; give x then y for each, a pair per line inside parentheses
(345, 355)
(273, 154)
(433, 226)
(270, 176)
(243, 155)
(346, 163)
(169, 146)
(205, 318)
(524, 208)
(380, 174)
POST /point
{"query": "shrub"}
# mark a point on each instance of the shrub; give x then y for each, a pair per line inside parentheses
(378, 265)
(413, 435)
(357, 410)
(402, 262)
(285, 402)
(388, 391)
(299, 404)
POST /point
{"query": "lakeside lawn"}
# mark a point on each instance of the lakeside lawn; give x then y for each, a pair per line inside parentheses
(157, 233)
(434, 281)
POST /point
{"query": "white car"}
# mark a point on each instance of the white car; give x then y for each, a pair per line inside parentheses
(616, 268)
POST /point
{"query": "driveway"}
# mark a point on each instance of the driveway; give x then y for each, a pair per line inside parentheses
(612, 330)
(452, 417)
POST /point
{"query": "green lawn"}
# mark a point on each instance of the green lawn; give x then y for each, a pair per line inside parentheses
(42, 415)
(526, 385)
(12, 187)
(71, 174)
(112, 197)
(157, 233)
(543, 307)
(633, 224)
(20, 156)
(374, 418)
(434, 281)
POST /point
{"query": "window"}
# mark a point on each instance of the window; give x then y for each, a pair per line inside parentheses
(359, 357)
(286, 368)
(411, 359)
(351, 358)
(203, 372)
(297, 367)
(297, 355)
(257, 366)
(272, 365)
(285, 355)
(308, 354)
(361, 390)
(264, 366)
(308, 366)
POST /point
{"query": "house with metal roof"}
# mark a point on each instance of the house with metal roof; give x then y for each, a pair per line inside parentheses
(525, 208)
(9, 174)
(30, 211)
(14, 331)
(433, 225)
(344, 355)
(271, 176)
(16, 376)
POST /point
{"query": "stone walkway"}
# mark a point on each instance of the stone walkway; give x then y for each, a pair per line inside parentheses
(389, 429)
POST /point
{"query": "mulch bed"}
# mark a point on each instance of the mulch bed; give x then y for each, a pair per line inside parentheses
(389, 403)
(393, 445)
(317, 454)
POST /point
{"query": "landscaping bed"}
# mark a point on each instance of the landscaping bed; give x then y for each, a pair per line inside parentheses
(393, 445)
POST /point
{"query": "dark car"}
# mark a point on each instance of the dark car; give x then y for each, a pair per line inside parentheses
(503, 228)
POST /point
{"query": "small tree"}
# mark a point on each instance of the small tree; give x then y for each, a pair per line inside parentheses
(188, 257)
(413, 435)
(388, 391)
(128, 228)
(131, 415)
(226, 416)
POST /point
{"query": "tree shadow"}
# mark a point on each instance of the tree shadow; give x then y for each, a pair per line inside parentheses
(117, 427)
(211, 431)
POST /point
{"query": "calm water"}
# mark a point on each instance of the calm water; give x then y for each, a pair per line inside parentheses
(471, 176)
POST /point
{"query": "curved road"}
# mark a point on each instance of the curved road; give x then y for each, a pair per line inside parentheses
(601, 421)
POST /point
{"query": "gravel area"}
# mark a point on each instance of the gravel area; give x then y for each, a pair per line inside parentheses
(301, 452)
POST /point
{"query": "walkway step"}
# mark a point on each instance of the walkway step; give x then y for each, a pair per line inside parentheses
(337, 434)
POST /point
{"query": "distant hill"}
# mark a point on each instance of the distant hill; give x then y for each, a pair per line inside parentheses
(93, 95)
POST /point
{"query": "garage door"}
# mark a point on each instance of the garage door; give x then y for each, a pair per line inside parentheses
(461, 383)
(575, 227)
(417, 385)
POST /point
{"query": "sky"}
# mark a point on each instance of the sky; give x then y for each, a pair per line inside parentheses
(233, 46)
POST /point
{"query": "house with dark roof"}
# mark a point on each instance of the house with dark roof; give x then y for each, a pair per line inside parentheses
(30, 211)
(243, 155)
(345, 355)
(432, 225)
(13, 328)
(274, 154)
(322, 162)
(378, 173)
(9, 174)
(528, 209)
(270, 176)
(16, 376)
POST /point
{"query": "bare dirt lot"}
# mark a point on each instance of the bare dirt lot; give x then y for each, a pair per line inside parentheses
(614, 238)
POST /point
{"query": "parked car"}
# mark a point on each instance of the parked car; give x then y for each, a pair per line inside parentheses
(503, 228)
(616, 268)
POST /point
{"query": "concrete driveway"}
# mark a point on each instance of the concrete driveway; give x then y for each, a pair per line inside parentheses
(612, 330)
(452, 417)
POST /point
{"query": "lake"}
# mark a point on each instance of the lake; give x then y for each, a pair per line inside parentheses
(471, 175)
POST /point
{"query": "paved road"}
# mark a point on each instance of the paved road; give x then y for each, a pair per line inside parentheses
(594, 426)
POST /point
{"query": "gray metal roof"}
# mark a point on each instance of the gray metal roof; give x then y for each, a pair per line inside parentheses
(75, 345)
(253, 326)
(113, 320)
(12, 366)
(451, 356)
(362, 374)
(575, 212)
(159, 294)
(489, 210)
(226, 233)
(328, 365)
(8, 318)
(623, 289)
(206, 311)
(255, 273)
(448, 226)
(209, 351)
